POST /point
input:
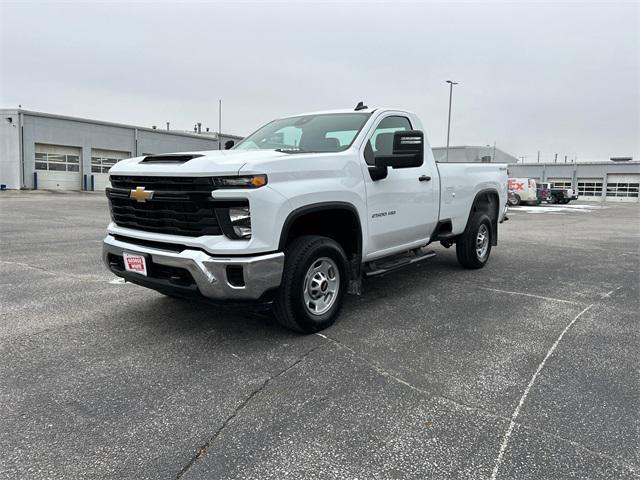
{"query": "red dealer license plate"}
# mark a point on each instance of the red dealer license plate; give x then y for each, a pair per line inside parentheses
(135, 263)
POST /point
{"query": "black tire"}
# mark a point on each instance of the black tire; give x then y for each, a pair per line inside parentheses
(538, 202)
(466, 251)
(290, 307)
(514, 201)
(171, 295)
(552, 199)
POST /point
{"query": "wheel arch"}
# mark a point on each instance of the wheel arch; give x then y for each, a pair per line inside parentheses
(487, 201)
(337, 220)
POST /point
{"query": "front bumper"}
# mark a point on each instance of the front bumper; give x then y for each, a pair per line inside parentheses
(191, 272)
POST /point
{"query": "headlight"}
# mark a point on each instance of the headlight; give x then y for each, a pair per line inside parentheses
(246, 181)
(241, 221)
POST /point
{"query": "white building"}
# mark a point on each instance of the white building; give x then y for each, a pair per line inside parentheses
(615, 181)
(598, 181)
(473, 154)
(45, 151)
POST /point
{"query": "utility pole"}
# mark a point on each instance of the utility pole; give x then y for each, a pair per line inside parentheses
(220, 124)
(451, 84)
(555, 158)
(538, 156)
(522, 158)
(493, 159)
(565, 159)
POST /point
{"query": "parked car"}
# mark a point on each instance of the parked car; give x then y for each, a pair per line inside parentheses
(560, 195)
(542, 192)
(298, 213)
(523, 190)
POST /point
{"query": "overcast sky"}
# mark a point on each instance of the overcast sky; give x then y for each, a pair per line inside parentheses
(560, 77)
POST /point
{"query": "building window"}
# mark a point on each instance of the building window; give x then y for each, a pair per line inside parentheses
(622, 189)
(560, 183)
(589, 188)
(57, 162)
(102, 164)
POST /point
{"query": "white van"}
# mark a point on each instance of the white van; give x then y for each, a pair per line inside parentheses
(523, 190)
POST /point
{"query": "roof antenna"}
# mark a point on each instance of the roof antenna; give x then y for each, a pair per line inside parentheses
(360, 106)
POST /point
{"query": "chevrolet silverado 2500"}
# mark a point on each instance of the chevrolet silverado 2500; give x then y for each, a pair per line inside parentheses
(298, 213)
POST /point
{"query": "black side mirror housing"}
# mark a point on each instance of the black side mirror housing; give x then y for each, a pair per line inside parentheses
(229, 144)
(408, 150)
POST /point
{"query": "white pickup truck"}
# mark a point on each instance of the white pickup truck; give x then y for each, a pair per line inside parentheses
(298, 213)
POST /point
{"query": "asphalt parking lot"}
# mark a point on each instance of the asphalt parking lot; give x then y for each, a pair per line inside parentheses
(529, 368)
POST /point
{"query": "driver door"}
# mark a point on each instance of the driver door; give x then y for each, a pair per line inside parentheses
(403, 207)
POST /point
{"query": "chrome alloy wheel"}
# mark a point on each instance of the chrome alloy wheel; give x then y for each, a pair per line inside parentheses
(482, 241)
(321, 284)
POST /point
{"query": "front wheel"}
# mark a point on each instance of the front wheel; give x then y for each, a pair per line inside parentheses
(514, 200)
(474, 247)
(314, 283)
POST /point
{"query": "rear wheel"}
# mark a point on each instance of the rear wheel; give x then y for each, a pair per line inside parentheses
(474, 247)
(552, 199)
(313, 285)
(514, 200)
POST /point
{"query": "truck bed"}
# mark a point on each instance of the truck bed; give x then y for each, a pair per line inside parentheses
(461, 182)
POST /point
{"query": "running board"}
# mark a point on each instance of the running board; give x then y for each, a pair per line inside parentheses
(395, 263)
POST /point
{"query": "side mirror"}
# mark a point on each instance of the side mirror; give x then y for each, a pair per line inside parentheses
(408, 150)
(229, 144)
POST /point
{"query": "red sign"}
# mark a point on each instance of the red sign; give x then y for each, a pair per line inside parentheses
(135, 263)
(515, 185)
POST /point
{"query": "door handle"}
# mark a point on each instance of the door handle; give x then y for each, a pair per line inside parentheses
(424, 178)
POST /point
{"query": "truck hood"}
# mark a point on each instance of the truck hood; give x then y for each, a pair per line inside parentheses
(214, 162)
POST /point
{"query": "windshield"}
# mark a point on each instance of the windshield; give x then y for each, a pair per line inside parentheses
(331, 132)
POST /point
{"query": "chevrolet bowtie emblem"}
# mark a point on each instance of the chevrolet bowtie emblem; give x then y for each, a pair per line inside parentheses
(141, 195)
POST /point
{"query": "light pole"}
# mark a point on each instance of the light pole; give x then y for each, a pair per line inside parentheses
(220, 124)
(451, 84)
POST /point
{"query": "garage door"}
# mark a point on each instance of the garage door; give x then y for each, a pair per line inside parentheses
(101, 162)
(590, 189)
(622, 188)
(560, 182)
(58, 167)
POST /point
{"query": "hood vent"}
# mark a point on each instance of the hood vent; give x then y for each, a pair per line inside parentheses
(169, 158)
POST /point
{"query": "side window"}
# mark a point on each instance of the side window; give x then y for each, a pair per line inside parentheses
(382, 138)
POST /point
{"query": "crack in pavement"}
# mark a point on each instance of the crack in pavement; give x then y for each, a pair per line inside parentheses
(89, 278)
(397, 379)
(202, 450)
(402, 381)
(523, 398)
(541, 297)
